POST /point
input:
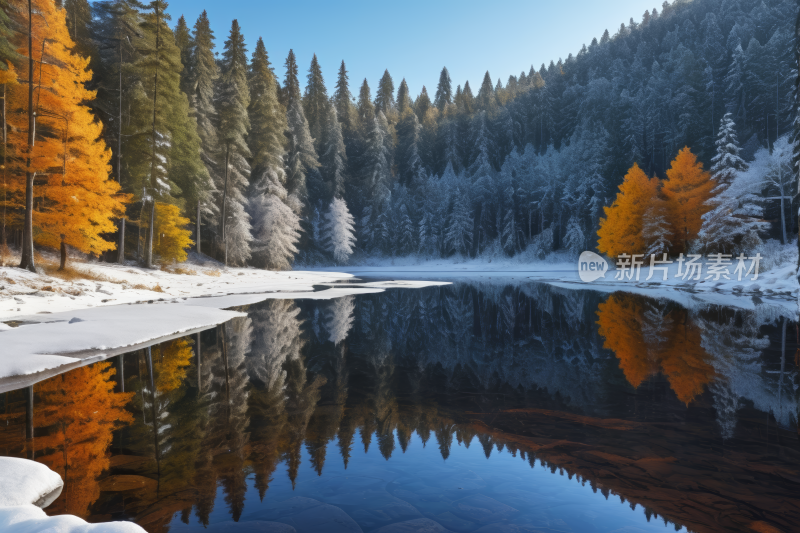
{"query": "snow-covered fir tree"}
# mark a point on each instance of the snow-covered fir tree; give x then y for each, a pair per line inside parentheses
(276, 227)
(458, 235)
(733, 223)
(338, 231)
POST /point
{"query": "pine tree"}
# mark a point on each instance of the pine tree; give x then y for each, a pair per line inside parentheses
(458, 236)
(233, 101)
(315, 102)
(366, 111)
(342, 97)
(467, 100)
(185, 43)
(384, 96)
(333, 156)
(158, 110)
(338, 231)
(78, 15)
(376, 178)
(486, 99)
(725, 226)
(410, 171)
(201, 84)
(444, 92)
(686, 190)
(406, 233)
(276, 227)
(422, 104)
(301, 159)
(403, 98)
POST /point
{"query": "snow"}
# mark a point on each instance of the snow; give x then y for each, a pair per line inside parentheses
(26, 487)
(23, 293)
(24, 482)
(31, 519)
(777, 285)
(72, 326)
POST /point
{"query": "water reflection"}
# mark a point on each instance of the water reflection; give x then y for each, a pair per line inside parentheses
(690, 413)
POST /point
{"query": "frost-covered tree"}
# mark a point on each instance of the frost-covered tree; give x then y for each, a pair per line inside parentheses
(573, 238)
(203, 73)
(301, 159)
(406, 233)
(377, 176)
(339, 317)
(333, 154)
(276, 227)
(233, 99)
(733, 223)
(458, 235)
(338, 231)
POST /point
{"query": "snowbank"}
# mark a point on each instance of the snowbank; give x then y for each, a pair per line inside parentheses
(26, 487)
(69, 325)
(24, 293)
(24, 482)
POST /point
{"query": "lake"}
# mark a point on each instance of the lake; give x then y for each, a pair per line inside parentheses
(473, 407)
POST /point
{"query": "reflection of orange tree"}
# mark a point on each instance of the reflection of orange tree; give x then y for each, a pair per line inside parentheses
(81, 409)
(647, 341)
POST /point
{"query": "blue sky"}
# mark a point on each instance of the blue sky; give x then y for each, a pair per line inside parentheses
(415, 39)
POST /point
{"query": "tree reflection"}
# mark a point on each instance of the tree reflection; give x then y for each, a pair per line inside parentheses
(78, 411)
(648, 339)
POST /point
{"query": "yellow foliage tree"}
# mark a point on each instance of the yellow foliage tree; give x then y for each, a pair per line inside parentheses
(75, 202)
(686, 191)
(621, 229)
(172, 239)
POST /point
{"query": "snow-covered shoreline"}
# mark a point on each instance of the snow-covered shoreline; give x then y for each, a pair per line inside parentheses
(69, 324)
(777, 285)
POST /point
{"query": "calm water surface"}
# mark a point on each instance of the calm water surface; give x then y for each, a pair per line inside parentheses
(468, 408)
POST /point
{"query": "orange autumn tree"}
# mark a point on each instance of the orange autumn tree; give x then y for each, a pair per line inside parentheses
(74, 199)
(686, 191)
(647, 342)
(621, 229)
(81, 410)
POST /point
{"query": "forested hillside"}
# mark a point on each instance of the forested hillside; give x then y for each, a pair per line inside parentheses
(207, 146)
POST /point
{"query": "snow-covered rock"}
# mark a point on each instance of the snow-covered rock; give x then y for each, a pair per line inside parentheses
(26, 487)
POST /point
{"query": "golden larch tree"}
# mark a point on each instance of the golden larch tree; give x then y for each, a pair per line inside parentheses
(686, 191)
(75, 201)
(621, 229)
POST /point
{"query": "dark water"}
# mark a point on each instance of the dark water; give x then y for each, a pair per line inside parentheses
(466, 408)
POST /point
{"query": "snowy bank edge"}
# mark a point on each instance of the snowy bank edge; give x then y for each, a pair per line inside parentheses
(26, 487)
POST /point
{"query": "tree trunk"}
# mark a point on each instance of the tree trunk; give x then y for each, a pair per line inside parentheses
(121, 247)
(225, 204)
(63, 254)
(27, 261)
(149, 251)
(198, 228)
